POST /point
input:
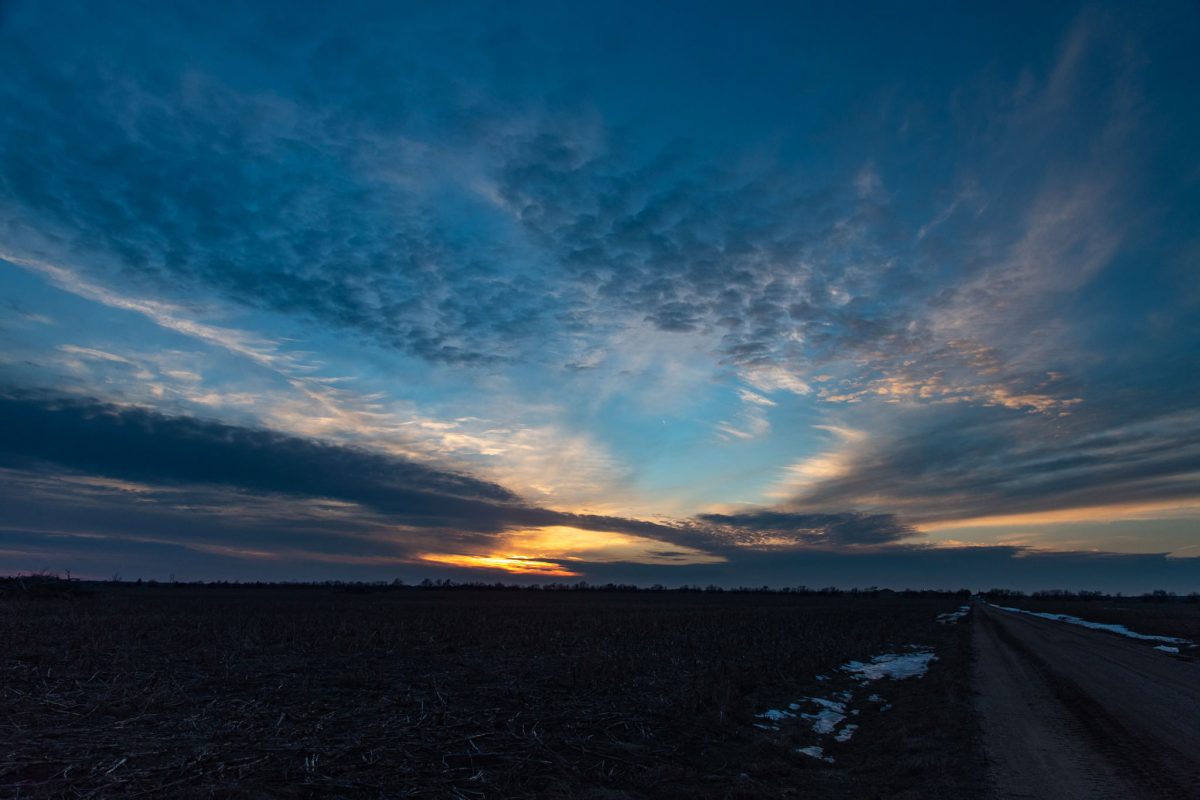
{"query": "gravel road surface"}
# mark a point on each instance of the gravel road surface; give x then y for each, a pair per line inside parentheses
(1071, 713)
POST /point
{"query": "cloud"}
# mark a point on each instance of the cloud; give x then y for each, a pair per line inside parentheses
(291, 393)
(966, 463)
(774, 378)
(168, 316)
(316, 209)
(103, 488)
(342, 213)
(84, 448)
(752, 421)
(766, 527)
(141, 445)
(88, 439)
(419, 209)
(813, 470)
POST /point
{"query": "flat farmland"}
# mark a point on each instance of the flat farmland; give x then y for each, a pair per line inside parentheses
(207, 691)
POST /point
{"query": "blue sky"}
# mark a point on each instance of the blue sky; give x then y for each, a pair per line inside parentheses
(683, 294)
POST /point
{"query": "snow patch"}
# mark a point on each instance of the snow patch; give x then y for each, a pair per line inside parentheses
(1166, 648)
(1121, 630)
(833, 705)
(830, 713)
(892, 665)
(775, 715)
(824, 721)
(825, 714)
(815, 752)
(951, 617)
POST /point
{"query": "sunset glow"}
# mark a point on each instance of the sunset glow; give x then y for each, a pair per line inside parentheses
(530, 552)
(515, 565)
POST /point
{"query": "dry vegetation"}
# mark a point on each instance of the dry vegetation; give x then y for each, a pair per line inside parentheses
(301, 691)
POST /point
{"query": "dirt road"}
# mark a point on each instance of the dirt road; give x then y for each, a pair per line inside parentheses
(1072, 713)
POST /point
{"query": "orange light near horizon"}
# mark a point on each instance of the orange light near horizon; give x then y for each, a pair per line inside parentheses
(567, 543)
(543, 551)
(516, 565)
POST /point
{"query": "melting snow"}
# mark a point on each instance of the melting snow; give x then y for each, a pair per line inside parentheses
(832, 711)
(815, 752)
(775, 715)
(833, 705)
(951, 617)
(1100, 626)
(1166, 648)
(824, 721)
(892, 665)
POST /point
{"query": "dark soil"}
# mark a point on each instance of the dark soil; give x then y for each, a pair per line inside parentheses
(188, 691)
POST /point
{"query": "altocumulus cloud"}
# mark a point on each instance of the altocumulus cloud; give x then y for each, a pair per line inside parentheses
(427, 209)
(774, 526)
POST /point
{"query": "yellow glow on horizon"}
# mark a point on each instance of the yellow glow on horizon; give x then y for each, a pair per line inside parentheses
(543, 551)
(516, 565)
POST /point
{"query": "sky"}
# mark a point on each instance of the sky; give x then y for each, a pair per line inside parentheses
(679, 293)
